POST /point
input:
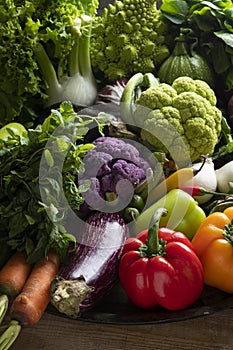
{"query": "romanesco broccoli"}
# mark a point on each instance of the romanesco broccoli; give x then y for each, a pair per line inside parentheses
(178, 115)
(128, 37)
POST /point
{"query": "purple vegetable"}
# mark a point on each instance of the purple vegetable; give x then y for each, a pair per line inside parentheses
(114, 168)
(91, 270)
(111, 92)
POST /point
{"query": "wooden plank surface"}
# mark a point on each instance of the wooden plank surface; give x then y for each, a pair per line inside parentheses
(213, 332)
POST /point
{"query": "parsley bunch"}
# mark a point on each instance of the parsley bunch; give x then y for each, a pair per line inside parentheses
(37, 187)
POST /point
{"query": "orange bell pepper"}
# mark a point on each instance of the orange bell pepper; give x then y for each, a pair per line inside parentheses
(213, 243)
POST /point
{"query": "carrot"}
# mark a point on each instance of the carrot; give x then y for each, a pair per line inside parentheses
(14, 274)
(30, 304)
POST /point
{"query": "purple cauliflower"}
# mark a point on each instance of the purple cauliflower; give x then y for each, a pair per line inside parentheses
(114, 168)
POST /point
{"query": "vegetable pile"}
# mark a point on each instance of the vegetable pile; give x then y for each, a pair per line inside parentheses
(136, 190)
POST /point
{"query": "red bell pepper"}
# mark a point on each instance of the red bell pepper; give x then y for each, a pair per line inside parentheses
(160, 267)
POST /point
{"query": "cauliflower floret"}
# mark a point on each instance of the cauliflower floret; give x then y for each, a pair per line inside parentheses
(200, 137)
(157, 97)
(122, 170)
(116, 148)
(164, 130)
(192, 105)
(151, 99)
(181, 116)
(185, 84)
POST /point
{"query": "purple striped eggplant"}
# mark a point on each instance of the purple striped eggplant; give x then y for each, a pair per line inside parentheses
(91, 270)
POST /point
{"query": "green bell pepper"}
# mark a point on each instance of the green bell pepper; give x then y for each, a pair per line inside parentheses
(184, 213)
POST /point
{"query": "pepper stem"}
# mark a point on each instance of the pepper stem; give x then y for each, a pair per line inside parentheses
(228, 232)
(154, 246)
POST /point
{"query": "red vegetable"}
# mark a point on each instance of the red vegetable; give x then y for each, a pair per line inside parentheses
(160, 267)
(197, 191)
(111, 92)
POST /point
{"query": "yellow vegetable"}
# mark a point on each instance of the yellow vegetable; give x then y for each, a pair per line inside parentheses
(176, 179)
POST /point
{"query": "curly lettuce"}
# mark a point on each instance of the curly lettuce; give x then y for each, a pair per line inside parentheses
(25, 25)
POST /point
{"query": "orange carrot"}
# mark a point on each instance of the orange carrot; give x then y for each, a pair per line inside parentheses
(31, 303)
(14, 274)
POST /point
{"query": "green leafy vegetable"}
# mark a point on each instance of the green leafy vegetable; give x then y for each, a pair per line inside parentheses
(38, 182)
(211, 23)
(44, 56)
(226, 147)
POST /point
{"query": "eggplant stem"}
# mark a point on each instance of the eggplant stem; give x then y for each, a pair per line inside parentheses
(67, 295)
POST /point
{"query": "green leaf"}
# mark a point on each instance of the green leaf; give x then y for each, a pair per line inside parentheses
(61, 145)
(175, 10)
(84, 186)
(211, 5)
(229, 84)
(226, 37)
(49, 158)
(219, 58)
(38, 251)
(18, 224)
(30, 219)
(29, 246)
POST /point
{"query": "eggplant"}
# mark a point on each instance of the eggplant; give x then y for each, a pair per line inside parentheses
(91, 269)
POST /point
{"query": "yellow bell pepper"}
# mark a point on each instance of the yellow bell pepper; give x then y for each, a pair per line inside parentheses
(173, 181)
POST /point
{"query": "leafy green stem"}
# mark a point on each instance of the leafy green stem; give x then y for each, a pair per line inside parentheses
(80, 62)
(47, 69)
(10, 335)
(227, 148)
(4, 302)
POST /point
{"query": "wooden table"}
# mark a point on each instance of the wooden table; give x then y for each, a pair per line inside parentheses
(212, 332)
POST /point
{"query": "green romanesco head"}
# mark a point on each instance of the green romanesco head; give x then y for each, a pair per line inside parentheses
(128, 37)
(181, 119)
